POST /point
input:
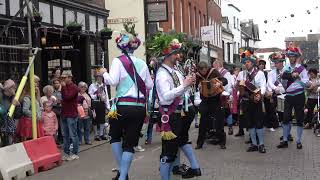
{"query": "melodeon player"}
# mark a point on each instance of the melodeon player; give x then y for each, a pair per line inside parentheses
(210, 83)
(252, 86)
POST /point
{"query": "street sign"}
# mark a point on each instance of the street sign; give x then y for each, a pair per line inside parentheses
(157, 11)
(207, 33)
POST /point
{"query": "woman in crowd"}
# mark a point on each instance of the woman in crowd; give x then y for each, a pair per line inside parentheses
(85, 122)
(48, 96)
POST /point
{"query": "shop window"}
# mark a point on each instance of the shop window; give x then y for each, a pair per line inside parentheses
(92, 23)
(81, 18)
(69, 16)
(57, 15)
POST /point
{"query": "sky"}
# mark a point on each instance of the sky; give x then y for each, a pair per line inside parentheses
(272, 10)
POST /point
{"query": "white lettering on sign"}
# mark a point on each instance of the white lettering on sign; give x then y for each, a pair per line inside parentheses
(122, 20)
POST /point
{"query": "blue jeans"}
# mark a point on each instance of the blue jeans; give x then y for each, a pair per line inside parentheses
(149, 131)
(85, 125)
(69, 126)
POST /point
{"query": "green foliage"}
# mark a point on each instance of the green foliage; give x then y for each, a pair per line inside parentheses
(106, 29)
(73, 24)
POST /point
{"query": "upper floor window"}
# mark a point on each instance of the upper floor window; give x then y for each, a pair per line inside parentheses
(45, 11)
(3, 7)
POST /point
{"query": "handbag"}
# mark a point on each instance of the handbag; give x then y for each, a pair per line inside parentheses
(81, 112)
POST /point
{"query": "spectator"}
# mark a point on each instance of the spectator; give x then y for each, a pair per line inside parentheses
(100, 103)
(57, 107)
(24, 127)
(56, 73)
(48, 95)
(7, 126)
(50, 121)
(69, 113)
(84, 123)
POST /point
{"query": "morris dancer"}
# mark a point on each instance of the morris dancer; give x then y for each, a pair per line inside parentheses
(132, 78)
(297, 77)
(275, 87)
(227, 94)
(171, 87)
(252, 87)
(210, 105)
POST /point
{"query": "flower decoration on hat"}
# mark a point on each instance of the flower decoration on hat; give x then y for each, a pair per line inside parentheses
(293, 51)
(128, 41)
(277, 57)
(248, 55)
(163, 45)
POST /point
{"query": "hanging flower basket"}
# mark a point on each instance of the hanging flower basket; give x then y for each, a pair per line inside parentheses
(106, 33)
(74, 27)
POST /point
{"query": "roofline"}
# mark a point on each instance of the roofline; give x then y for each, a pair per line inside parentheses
(234, 7)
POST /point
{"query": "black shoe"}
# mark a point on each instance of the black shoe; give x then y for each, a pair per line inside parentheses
(283, 144)
(196, 125)
(240, 133)
(262, 149)
(199, 146)
(214, 141)
(117, 176)
(290, 138)
(299, 146)
(97, 138)
(230, 131)
(252, 148)
(103, 138)
(179, 170)
(190, 173)
(223, 146)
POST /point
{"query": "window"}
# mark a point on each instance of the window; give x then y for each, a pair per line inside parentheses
(57, 15)
(100, 24)
(92, 23)
(81, 18)
(238, 24)
(181, 15)
(14, 7)
(223, 51)
(3, 7)
(44, 9)
(199, 23)
(234, 22)
(25, 10)
(172, 15)
(204, 20)
(69, 16)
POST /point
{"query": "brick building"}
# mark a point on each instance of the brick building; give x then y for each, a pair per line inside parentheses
(189, 15)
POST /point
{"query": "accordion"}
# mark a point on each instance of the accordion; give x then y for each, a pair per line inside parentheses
(254, 91)
(209, 89)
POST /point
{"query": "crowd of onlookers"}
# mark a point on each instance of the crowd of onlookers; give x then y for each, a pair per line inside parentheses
(64, 110)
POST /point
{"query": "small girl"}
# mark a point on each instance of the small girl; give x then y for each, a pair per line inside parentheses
(50, 121)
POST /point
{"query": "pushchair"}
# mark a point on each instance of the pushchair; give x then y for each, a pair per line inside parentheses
(316, 119)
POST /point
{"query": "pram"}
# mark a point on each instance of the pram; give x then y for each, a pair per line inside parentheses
(316, 119)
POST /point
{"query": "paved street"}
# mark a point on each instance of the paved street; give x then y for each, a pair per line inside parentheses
(234, 163)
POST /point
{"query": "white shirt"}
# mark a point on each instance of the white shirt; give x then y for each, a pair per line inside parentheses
(119, 73)
(259, 80)
(165, 86)
(303, 78)
(92, 92)
(228, 76)
(272, 78)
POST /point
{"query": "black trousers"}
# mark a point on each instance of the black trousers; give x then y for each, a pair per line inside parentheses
(208, 109)
(311, 104)
(271, 119)
(100, 109)
(253, 114)
(242, 119)
(297, 103)
(127, 127)
(170, 147)
(186, 121)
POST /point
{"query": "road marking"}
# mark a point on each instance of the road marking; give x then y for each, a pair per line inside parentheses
(156, 149)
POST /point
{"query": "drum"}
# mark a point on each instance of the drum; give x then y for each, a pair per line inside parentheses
(280, 102)
(208, 88)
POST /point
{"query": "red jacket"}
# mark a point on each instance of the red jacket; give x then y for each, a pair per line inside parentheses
(69, 103)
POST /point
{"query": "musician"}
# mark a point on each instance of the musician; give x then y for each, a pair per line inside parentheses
(275, 87)
(210, 104)
(132, 79)
(312, 97)
(297, 78)
(227, 94)
(252, 84)
(171, 87)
